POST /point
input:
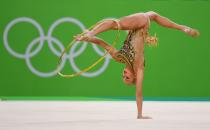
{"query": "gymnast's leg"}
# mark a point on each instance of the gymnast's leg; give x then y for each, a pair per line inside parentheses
(104, 26)
(165, 22)
(125, 23)
(101, 27)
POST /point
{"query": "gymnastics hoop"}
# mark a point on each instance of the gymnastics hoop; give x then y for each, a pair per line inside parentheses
(97, 61)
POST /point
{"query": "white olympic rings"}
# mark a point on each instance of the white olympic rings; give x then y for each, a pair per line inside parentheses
(52, 40)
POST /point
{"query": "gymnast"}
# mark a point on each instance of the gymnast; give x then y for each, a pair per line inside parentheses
(132, 51)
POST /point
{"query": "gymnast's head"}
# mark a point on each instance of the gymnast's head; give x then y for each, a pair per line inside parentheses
(128, 76)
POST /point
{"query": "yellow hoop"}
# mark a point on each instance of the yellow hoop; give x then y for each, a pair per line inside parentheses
(95, 63)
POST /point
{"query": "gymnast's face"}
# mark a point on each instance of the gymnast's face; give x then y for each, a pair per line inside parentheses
(128, 77)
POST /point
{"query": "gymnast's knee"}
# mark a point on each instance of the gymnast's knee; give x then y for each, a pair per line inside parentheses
(152, 14)
(112, 23)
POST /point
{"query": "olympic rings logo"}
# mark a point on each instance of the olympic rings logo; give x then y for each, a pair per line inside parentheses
(52, 40)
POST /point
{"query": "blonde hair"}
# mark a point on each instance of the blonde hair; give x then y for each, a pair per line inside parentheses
(151, 40)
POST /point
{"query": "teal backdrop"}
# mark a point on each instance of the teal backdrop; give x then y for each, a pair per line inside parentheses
(177, 68)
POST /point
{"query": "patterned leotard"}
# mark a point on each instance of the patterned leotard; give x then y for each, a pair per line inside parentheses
(127, 53)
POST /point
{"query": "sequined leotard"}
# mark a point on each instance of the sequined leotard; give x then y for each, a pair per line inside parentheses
(127, 53)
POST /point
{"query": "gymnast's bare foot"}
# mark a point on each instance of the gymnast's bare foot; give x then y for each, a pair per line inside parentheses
(85, 36)
(191, 32)
(81, 38)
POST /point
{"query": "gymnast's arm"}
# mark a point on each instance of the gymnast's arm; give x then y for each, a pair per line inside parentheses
(103, 44)
(139, 96)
